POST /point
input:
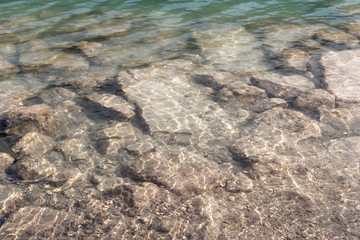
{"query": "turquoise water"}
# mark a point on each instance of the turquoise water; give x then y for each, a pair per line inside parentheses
(146, 31)
(141, 32)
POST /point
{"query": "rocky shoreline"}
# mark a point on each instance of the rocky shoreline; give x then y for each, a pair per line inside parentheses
(209, 145)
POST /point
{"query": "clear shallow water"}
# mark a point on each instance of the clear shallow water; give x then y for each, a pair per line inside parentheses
(136, 33)
(179, 119)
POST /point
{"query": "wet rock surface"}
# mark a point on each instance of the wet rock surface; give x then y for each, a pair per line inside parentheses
(5, 161)
(9, 196)
(286, 87)
(39, 117)
(342, 74)
(204, 146)
(35, 222)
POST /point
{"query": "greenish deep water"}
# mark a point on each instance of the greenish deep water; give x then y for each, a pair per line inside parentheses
(159, 127)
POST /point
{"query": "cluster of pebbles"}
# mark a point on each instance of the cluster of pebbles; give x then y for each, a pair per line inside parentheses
(242, 139)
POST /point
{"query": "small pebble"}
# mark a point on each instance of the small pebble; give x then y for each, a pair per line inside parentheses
(232, 198)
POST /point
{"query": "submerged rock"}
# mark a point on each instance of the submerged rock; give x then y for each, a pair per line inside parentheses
(109, 28)
(341, 120)
(313, 100)
(113, 102)
(337, 39)
(119, 130)
(170, 103)
(283, 86)
(32, 168)
(283, 37)
(33, 144)
(295, 59)
(342, 74)
(39, 117)
(11, 97)
(109, 141)
(289, 128)
(65, 63)
(88, 81)
(9, 196)
(36, 59)
(354, 27)
(179, 171)
(57, 98)
(8, 51)
(90, 49)
(35, 53)
(5, 161)
(192, 154)
(36, 222)
(230, 48)
(7, 68)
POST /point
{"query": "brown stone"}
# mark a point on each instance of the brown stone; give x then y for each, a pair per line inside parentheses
(5, 161)
(33, 144)
(312, 100)
(40, 118)
(32, 168)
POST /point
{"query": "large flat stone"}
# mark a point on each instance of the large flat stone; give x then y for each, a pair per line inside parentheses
(171, 103)
(271, 131)
(342, 74)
